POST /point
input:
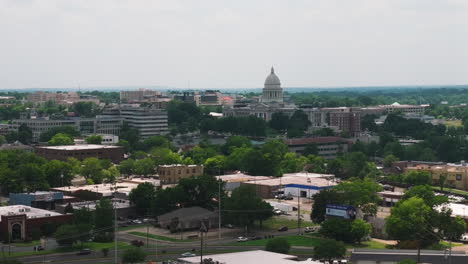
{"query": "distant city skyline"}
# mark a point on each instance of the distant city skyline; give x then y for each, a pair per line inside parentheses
(212, 44)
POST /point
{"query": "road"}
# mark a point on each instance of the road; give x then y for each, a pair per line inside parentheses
(165, 249)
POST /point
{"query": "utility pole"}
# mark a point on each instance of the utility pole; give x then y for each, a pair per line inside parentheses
(219, 209)
(116, 255)
(299, 212)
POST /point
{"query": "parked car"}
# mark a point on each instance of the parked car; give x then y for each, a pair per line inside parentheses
(38, 248)
(137, 243)
(137, 222)
(229, 226)
(242, 239)
(464, 238)
(283, 228)
(255, 238)
(277, 212)
(84, 251)
(312, 229)
(188, 254)
(288, 197)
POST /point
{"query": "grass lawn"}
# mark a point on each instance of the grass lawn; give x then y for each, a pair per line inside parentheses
(455, 191)
(26, 244)
(454, 123)
(131, 227)
(141, 234)
(368, 244)
(276, 222)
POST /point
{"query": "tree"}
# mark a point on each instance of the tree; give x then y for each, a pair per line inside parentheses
(409, 221)
(60, 139)
(311, 149)
(85, 109)
(83, 216)
(142, 197)
(133, 255)
(92, 169)
(337, 228)
(58, 173)
(144, 167)
(426, 193)
(292, 163)
(360, 229)
(298, 123)
(279, 121)
(127, 167)
(329, 249)
(359, 193)
(417, 177)
(68, 130)
(234, 142)
(215, 165)
(389, 160)
(244, 207)
(24, 134)
(156, 142)
(321, 199)
(66, 235)
(278, 245)
(94, 139)
(104, 218)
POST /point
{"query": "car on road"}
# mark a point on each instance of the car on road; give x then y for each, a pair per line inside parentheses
(229, 226)
(255, 238)
(277, 212)
(288, 197)
(84, 251)
(137, 243)
(283, 228)
(137, 222)
(312, 229)
(188, 254)
(242, 239)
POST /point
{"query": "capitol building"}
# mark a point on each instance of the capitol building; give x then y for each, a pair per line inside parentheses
(270, 102)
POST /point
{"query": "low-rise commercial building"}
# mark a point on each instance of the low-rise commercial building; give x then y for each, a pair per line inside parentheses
(171, 174)
(328, 147)
(81, 152)
(250, 257)
(453, 175)
(394, 256)
(405, 108)
(124, 207)
(19, 221)
(189, 218)
(40, 199)
(233, 181)
(97, 191)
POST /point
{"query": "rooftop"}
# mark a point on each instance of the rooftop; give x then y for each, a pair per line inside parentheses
(106, 189)
(457, 209)
(293, 180)
(249, 257)
(317, 140)
(91, 205)
(29, 211)
(241, 177)
(80, 147)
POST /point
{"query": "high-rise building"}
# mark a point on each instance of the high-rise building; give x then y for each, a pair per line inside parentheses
(147, 121)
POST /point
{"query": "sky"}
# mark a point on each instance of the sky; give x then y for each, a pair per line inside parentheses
(232, 44)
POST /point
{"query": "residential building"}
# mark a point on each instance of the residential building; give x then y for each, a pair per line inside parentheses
(453, 175)
(328, 147)
(171, 174)
(81, 152)
(19, 221)
(147, 121)
(346, 121)
(86, 126)
(250, 257)
(189, 218)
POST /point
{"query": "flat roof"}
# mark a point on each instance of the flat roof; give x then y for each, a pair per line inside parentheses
(29, 211)
(80, 147)
(293, 180)
(308, 174)
(106, 189)
(91, 205)
(249, 257)
(457, 209)
(241, 177)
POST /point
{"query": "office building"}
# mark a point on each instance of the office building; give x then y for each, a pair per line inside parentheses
(171, 174)
(81, 152)
(328, 147)
(147, 121)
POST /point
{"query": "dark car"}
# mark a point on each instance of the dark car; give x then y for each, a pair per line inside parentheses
(288, 198)
(137, 243)
(283, 228)
(84, 251)
(38, 248)
(255, 238)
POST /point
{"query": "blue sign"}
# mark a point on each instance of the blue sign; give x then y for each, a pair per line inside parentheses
(343, 211)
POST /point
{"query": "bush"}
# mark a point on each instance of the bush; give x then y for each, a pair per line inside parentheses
(329, 249)
(133, 255)
(278, 245)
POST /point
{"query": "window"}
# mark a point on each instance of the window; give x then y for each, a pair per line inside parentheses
(459, 177)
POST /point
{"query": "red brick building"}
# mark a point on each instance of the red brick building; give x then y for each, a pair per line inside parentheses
(81, 152)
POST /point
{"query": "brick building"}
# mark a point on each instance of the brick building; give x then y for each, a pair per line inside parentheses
(171, 174)
(81, 152)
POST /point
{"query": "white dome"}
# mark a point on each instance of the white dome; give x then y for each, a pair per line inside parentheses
(272, 79)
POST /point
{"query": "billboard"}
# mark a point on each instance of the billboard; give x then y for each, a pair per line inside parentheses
(343, 211)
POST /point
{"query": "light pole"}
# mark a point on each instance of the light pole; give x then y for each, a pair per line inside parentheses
(116, 261)
(219, 209)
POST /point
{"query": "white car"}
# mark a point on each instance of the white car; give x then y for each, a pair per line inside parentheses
(188, 254)
(242, 239)
(464, 238)
(277, 212)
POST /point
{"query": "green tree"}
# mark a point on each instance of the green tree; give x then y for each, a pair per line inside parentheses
(133, 255)
(24, 134)
(60, 139)
(244, 207)
(85, 109)
(83, 216)
(321, 199)
(417, 177)
(329, 249)
(66, 235)
(142, 197)
(337, 228)
(144, 167)
(279, 121)
(426, 193)
(360, 229)
(234, 142)
(68, 130)
(278, 245)
(104, 217)
(311, 149)
(389, 160)
(93, 169)
(298, 123)
(359, 193)
(94, 139)
(127, 167)
(58, 173)
(215, 165)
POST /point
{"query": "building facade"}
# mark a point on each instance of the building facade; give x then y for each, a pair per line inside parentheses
(81, 152)
(452, 175)
(171, 174)
(147, 121)
(86, 126)
(328, 147)
(140, 95)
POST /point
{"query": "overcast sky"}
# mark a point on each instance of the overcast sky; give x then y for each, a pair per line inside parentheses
(232, 44)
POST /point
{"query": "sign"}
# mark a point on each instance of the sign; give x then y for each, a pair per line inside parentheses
(343, 211)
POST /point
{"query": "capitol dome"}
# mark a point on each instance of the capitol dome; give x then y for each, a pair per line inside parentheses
(272, 79)
(272, 91)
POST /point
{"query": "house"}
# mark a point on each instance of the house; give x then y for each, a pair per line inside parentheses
(189, 218)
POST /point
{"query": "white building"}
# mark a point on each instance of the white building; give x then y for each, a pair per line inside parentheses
(250, 257)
